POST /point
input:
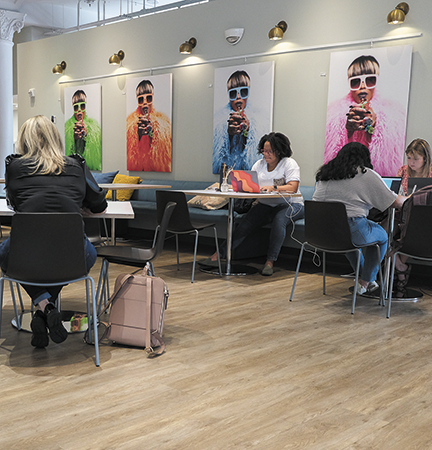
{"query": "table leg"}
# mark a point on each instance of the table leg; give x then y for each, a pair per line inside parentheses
(229, 235)
(113, 239)
(228, 268)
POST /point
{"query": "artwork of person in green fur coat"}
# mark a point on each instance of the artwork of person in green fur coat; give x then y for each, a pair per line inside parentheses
(82, 134)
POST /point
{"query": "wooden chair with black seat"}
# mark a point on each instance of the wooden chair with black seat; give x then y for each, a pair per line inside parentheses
(181, 223)
(55, 258)
(416, 243)
(130, 256)
(327, 230)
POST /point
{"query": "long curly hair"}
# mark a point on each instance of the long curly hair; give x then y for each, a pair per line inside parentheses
(346, 163)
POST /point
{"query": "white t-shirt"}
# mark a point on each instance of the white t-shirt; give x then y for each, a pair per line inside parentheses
(360, 194)
(286, 170)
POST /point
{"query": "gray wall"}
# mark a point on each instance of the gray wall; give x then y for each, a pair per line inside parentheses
(301, 78)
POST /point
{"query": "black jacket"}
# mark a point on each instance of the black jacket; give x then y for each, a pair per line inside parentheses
(74, 188)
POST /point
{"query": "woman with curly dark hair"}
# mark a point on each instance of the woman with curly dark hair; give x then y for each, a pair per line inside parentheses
(349, 178)
(278, 173)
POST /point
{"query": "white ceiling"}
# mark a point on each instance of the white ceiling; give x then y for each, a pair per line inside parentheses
(63, 14)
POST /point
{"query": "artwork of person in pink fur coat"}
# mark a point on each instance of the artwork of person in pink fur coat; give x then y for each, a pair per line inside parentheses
(366, 117)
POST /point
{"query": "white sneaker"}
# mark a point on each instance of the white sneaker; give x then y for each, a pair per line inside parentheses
(361, 289)
(371, 287)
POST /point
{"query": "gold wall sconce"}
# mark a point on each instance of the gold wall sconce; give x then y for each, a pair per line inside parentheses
(117, 58)
(187, 47)
(59, 68)
(398, 14)
(276, 33)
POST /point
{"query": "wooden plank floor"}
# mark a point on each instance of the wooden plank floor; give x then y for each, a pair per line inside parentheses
(244, 368)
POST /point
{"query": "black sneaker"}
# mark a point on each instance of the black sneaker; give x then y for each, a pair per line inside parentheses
(38, 326)
(57, 331)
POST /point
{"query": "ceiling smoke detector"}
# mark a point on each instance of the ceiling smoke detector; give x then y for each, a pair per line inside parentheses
(233, 35)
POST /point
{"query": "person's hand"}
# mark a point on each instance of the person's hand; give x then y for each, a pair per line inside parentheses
(238, 123)
(85, 211)
(267, 189)
(80, 130)
(360, 118)
(144, 126)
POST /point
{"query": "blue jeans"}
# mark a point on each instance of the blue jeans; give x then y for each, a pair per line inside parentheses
(364, 231)
(281, 218)
(39, 293)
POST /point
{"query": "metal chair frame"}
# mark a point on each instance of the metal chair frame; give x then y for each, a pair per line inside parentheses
(327, 230)
(129, 256)
(417, 242)
(56, 257)
(181, 223)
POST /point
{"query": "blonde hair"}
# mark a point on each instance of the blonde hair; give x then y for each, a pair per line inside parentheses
(39, 141)
(422, 148)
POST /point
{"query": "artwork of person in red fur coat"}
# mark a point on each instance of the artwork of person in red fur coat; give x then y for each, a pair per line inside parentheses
(148, 134)
(366, 117)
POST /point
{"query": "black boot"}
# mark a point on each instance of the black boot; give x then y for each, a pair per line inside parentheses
(39, 328)
(57, 331)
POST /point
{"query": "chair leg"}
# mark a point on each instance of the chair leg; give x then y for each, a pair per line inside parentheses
(92, 317)
(20, 298)
(387, 267)
(324, 273)
(101, 293)
(155, 236)
(217, 251)
(297, 271)
(152, 272)
(356, 280)
(381, 278)
(17, 317)
(1, 301)
(58, 302)
(195, 253)
(177, 248)
(390, 287)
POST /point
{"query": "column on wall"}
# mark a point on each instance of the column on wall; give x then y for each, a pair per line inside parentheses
(9, 23)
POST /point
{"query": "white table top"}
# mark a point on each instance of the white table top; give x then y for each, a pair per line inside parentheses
(117, 186)
(115, 210)
(232, 194)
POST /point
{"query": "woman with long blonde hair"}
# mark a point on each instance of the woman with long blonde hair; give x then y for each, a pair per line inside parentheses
(419, 162)
(40, 178)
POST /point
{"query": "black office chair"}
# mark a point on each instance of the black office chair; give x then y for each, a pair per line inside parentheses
(327, 230)
(130, 256)
(181, 223)
(417, 243)
(47, 249)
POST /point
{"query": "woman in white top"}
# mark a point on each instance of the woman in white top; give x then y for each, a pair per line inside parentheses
(277, 172)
